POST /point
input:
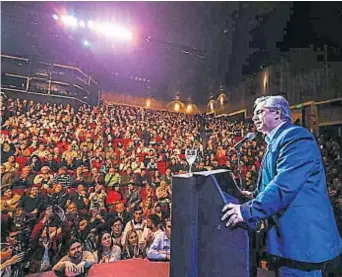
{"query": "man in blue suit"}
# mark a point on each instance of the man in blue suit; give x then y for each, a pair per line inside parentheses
(291, 196)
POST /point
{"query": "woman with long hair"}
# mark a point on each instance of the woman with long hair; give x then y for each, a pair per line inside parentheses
(131, 248)
(107, 251)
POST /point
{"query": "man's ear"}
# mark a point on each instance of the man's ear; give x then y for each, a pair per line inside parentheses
(278, 113)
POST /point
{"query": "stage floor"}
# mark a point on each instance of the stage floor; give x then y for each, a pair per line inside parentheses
(126, 268)
(134, 268)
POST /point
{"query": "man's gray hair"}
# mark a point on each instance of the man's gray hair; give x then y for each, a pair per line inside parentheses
(276, 102)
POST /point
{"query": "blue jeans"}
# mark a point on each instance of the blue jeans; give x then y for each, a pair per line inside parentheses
(289, 272)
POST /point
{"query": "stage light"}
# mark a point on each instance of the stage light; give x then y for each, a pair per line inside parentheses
(70, 20)
(86, 43)
(105, 29)
(120, 32)
(114, 31)
(81, 23)
(90, 24)
(55, 17)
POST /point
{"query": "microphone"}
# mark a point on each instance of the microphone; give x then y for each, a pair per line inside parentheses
(250, 136)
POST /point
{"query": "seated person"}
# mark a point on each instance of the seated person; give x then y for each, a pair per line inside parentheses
(32, 203)
(131, 248)
(152, 230)
(107, 251)
(116, 231)
(160, 248)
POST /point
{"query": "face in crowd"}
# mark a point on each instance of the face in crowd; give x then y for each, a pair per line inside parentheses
(72, 209)
(133, 238)
(33, 192)
(117, 227)
(168, 228)
(75, 250)
(106, 240)
(83, 224)
(138, 215)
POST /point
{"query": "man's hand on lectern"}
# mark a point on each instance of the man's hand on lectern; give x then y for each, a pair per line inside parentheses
(232, 212)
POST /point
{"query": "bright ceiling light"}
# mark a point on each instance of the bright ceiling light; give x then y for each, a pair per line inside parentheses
(105, 29)
(81, 23)
(90, 24)
(120, 32)
(112, 31)
(70, 20)
(55, 17)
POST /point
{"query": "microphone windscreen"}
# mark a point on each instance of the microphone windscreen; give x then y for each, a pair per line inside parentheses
(250, 136)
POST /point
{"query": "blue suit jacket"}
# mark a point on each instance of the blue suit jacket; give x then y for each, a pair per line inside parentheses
(293, 196)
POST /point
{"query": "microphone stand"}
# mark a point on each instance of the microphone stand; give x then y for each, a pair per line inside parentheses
(239, 166)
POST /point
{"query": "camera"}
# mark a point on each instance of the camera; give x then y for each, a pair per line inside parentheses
(55, 205)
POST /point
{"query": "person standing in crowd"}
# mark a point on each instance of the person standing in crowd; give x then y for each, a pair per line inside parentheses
(291, 196)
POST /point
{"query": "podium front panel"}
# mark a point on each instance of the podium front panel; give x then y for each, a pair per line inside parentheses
(201, 245)
(184, 221)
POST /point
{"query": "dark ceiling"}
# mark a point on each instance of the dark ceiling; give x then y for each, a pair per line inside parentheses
(194, 47)
(168, 59)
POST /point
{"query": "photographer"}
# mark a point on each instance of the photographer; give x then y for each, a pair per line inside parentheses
(47, 236)
(87, 234)
(8, 259)
(73, 216)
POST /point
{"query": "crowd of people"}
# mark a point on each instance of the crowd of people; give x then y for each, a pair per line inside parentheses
(94, 184)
